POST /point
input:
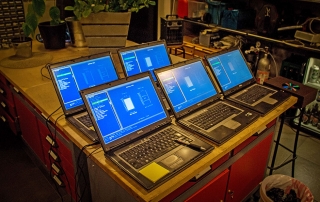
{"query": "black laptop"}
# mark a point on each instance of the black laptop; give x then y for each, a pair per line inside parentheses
(71, 76)
(238, 84)
(136, 132)
(194, 100)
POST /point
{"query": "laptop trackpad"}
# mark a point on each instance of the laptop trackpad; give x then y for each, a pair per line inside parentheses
(181, 156)
(232, 124)
(270, 100)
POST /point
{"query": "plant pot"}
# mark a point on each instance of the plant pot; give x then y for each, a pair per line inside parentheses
(54, 37)
(76, 33)
(106, 31)
(22, 46)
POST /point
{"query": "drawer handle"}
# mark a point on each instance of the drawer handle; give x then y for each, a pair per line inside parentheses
(54, 155)
(3, 104)
(56, 168)
(58, 181)
(16, 89)
(51, 141)
(3, 119)
(1, 91)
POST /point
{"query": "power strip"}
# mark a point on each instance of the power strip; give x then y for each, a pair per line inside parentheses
(306, 36)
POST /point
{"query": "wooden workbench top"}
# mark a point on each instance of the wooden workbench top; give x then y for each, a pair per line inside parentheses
(40, 92)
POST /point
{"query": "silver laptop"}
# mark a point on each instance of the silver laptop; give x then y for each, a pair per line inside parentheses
(136, 132)
(238, 84)
(71, 76)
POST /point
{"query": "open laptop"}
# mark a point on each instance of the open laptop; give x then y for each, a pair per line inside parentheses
(136, 132)
(238, 84)
(194, 100)
(71, 76)
(144, 57)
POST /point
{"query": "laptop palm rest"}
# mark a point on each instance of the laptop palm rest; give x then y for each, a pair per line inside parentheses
(270, 100)
(232, 124)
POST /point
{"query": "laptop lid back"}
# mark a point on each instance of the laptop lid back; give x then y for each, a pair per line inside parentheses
(144, 57)
(230, 70)
(125, 109)
(69, 77)
(188, 86)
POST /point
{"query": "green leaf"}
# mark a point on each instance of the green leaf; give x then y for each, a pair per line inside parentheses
(98, 8)
(39, 7)
(69, 8)
(86, 13)
(30, 25)
(54, 13)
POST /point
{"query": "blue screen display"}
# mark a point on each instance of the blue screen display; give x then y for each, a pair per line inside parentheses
(230, 69)
(126, 108)
(187, 85)
(70, 79)
(145, 59)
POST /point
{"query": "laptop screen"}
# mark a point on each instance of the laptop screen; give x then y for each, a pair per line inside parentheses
(125, 108)
(187, 84)
(145, 57)
(230, 69)
(72, 77)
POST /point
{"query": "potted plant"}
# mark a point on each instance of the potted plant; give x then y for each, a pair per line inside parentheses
(23, 44)
(105, 23)
(52, 32)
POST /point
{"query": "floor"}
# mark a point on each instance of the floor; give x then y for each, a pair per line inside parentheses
(307, 164)
(21, 180)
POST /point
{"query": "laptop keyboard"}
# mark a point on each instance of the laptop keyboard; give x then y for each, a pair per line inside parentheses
(85, 119)
(213, 115)
(254, 94)
(156, 145)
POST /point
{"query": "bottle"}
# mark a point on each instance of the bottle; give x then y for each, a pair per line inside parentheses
(306, 117)
(263, 69)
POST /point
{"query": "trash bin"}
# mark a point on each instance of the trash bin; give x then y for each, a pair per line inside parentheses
(286, 183)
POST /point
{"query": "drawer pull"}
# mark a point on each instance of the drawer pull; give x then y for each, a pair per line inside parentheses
(16, 89)
(3, 119)
(1, 91)
(56, 168)
(54, 155)
(3, 104)
(51, 141)
(58, 181)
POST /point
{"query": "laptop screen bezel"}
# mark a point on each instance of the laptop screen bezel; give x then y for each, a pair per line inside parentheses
(49, 66)
(134, 135)
(235, 88)
(140, 46)
(196, 106)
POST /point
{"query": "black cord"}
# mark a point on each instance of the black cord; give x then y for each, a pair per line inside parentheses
(43, 74)
(47, 120)
(79, 167)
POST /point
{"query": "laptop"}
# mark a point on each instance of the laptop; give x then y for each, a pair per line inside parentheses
(196, 104)
(71, 76)
(136, 131)
(238, 84)
(144, 57)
